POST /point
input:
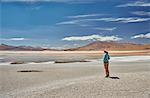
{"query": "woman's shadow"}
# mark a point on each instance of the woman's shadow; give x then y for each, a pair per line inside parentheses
(114, 77)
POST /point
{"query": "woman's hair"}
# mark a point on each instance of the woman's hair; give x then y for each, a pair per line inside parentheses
(106, 51)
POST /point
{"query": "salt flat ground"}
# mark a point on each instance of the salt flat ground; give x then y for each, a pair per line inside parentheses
(129, 79)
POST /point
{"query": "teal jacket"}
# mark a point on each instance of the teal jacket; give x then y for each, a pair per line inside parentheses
(106, 57)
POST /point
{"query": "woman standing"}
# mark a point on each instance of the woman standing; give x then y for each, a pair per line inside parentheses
(106, 58)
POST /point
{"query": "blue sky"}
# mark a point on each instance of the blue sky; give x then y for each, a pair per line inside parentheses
(72, 23)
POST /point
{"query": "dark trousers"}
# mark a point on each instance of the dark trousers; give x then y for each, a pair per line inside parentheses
(106, 67)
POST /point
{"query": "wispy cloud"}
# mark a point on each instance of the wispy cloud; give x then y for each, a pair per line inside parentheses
(68, 22)
(141, 36)
(14, 39)
(121, 20)
(84, 15)
(106, 29)
(141, 13)
(92, 37)
(117, 20)
(84, 25)
(137, 3)
(77, 19)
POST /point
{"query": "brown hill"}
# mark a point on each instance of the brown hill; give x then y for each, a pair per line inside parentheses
(5, 47)
(92, 46)
(111, 46)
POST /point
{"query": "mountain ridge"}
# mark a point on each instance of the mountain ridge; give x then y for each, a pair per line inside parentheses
(5, 47)
(94, 46)
(111, 46)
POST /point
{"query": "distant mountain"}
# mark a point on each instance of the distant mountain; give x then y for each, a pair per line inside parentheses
(5, 47)
(111, 46)
(92, 46)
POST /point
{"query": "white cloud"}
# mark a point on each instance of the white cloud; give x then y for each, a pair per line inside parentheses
(68, 22)
(84, 15)
(92, 37)
(137, 3)
(77, 20)
(106, 29)
(84, 25)
(141, 13)
(14, 39)
(121, 20)
(141, 36)
(76, 45)
(118, 20)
